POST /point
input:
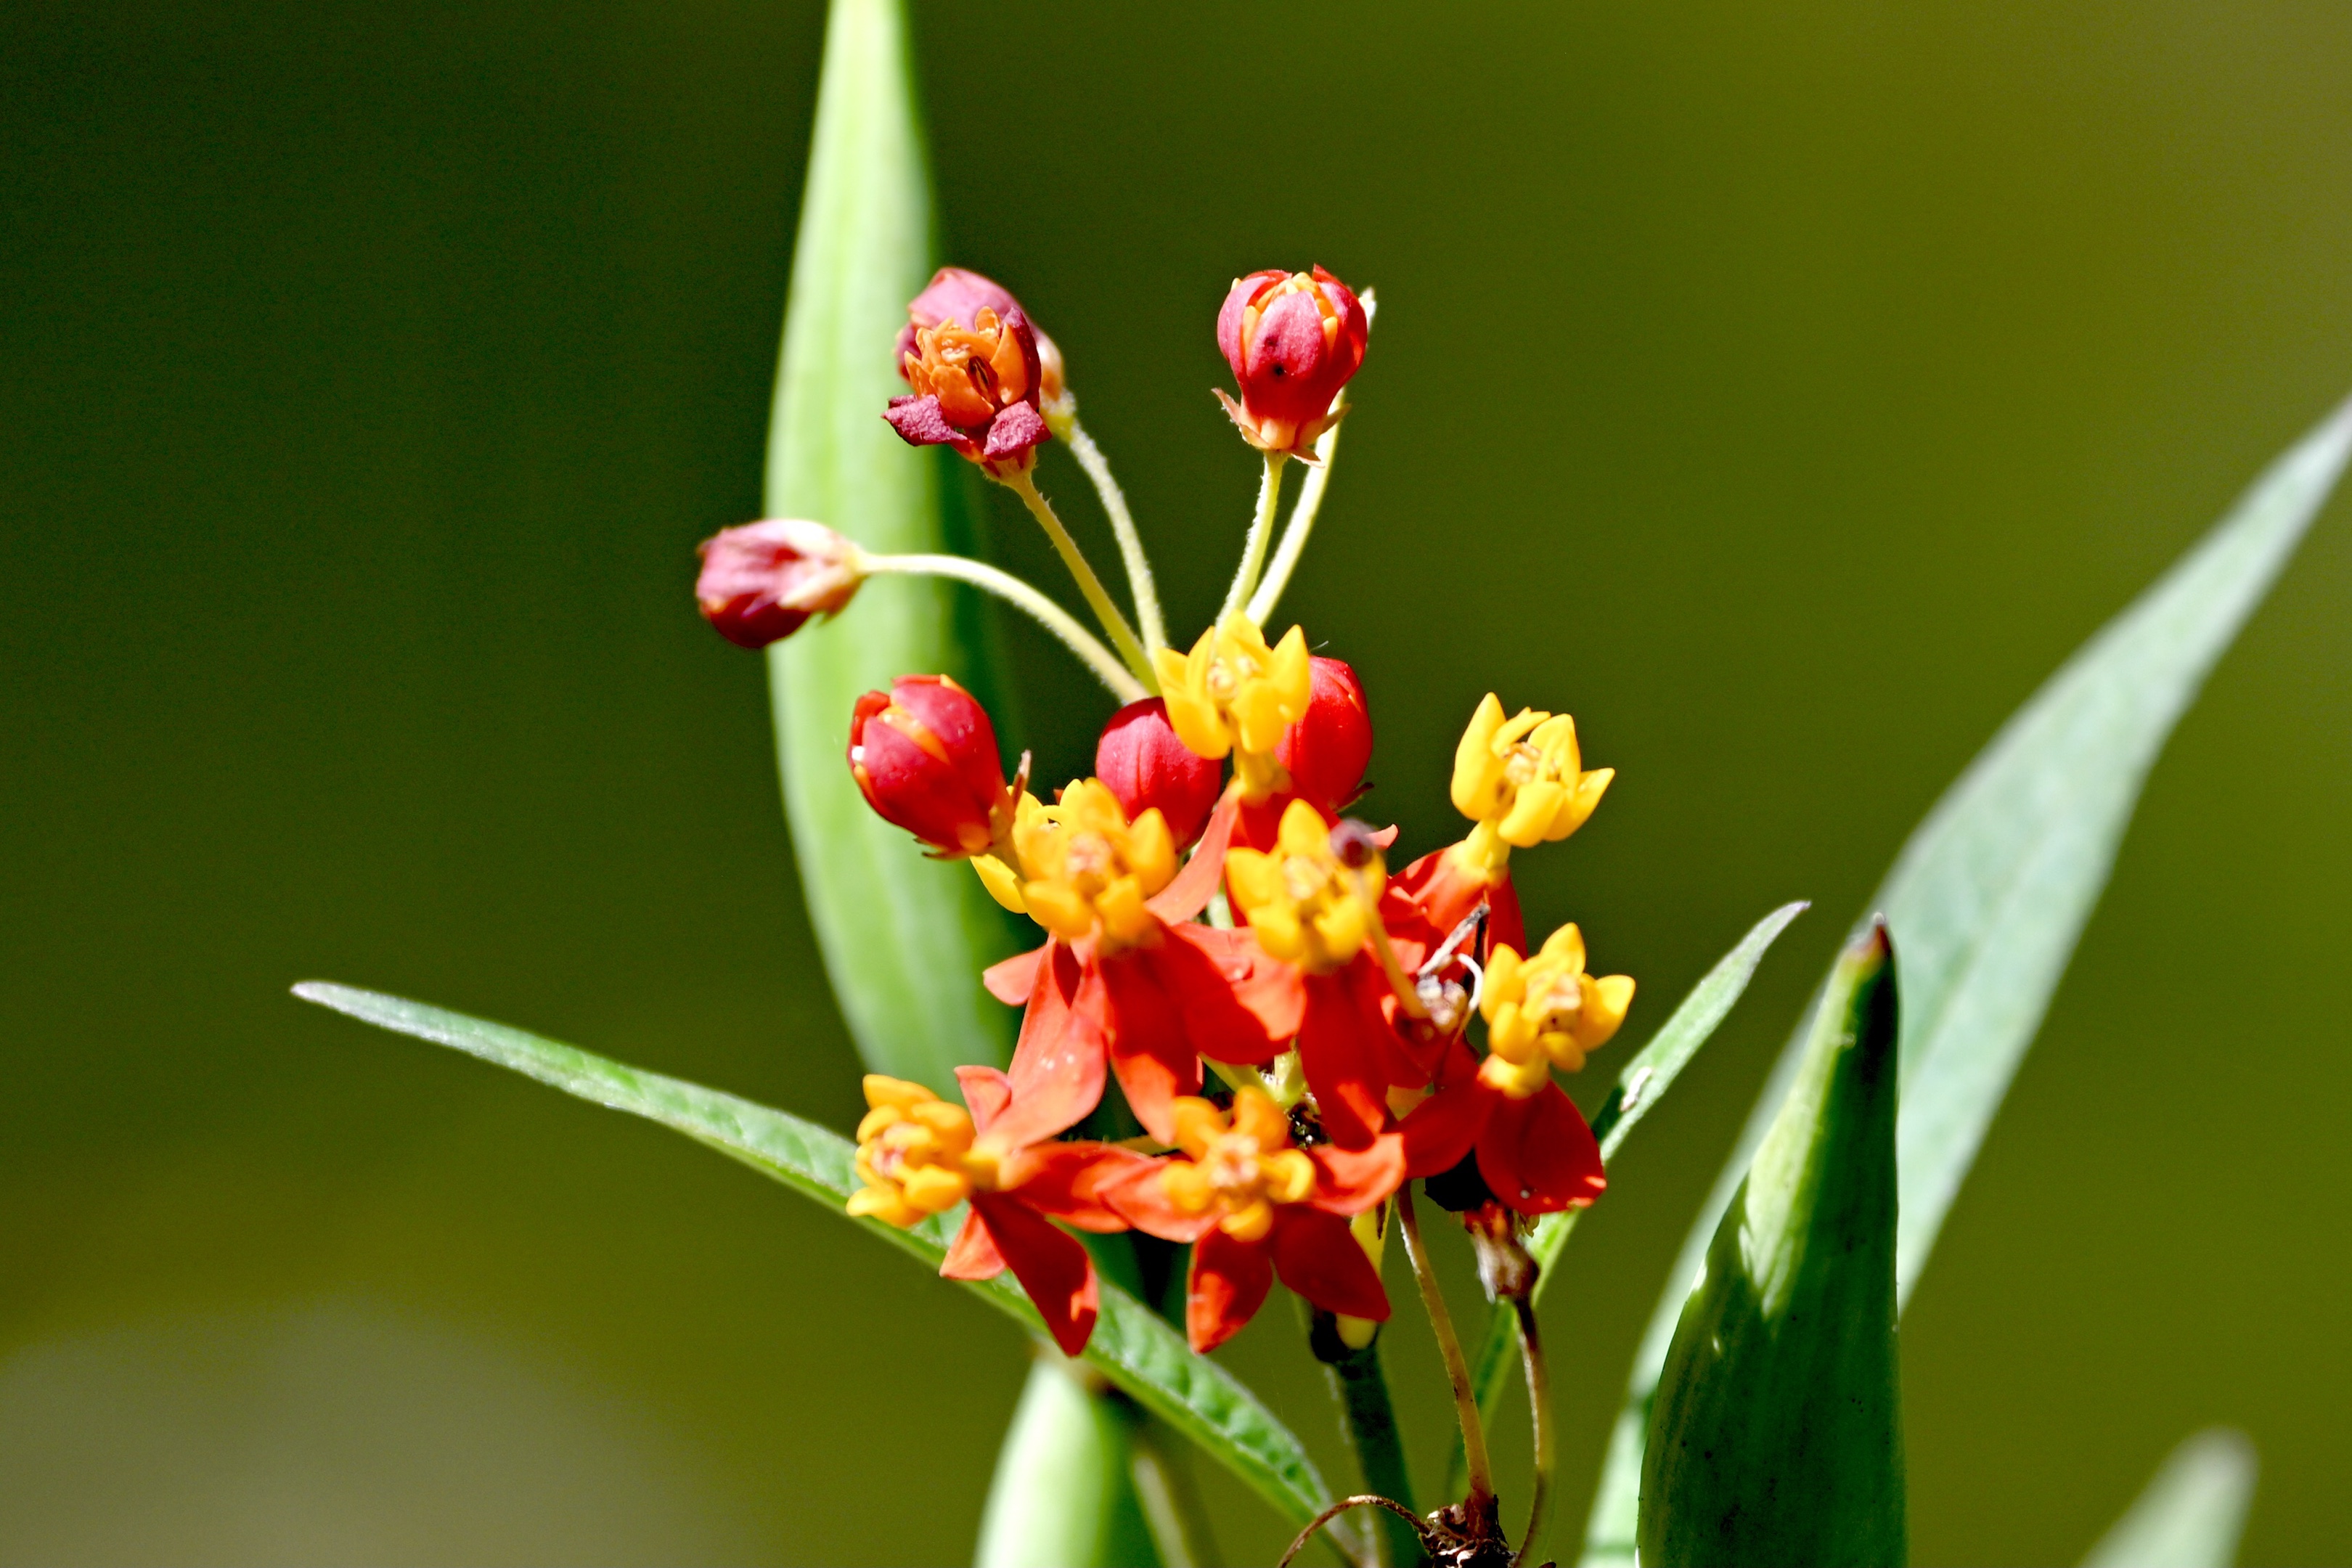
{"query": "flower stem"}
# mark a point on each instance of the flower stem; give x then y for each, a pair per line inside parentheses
(1294, 532)
(1269, 495)
(1539, 1403)
(1140, 581)
(1371, 1432)
(1020, 594)
(1122, 636)
(1164, 1488)
(1457, 1372)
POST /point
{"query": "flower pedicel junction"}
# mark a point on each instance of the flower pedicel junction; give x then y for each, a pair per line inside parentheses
(1247, 1050)
(1227, 959)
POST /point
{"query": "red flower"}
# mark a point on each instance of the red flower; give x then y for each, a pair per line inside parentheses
(1293, 339)
(956, 295)
(1311, 903)
(1129, 983)
(1253, 1207)
(972, 359)
(924, 758)
(918, 1155)
(1536, 1154)
(1144, 763)
(761, 583)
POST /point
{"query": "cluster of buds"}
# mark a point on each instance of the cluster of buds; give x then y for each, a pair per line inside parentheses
(1298, 1030)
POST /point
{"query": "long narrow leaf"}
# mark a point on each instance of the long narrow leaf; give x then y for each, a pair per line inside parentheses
(1131, 1346)
(1642, 1083)
(904, 938)
(1990, 893)
(1778, 1432)
(2192, 1512)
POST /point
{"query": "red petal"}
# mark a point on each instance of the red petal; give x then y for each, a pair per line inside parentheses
(1194, 886)
(1229, 1283)
(1012, 981)
(1351, 1181)
(1538, 1156)
(1149, 1048)
(1014, 430)
(1441, 1129)
(1238, 1004)
(1071, 1180)
(1051, 1265)
(1342, 1052)
(1057, 1067)
(1318, 1257)
(1505, 926)
(973, 1255)
(986, 1092)
(920, 423)
(1140, 1197)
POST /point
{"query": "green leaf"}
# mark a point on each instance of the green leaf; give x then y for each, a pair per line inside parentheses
(1642, 1083)
(904, 938)
(1990, 892)
(1132, 1346)
(1061, 1497)
(1778, 1431)
(2192, 1512)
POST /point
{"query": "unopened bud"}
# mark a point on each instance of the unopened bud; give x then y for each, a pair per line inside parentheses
(1293, 339)
(1144, 763)
(761, 583)
(924, 756)
(1328, 750)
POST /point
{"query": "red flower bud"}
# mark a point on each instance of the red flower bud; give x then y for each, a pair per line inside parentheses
(1327, 751)
(762, 582)
(924, 756)
(1293, 340)
(977, 370)
(1146, 765)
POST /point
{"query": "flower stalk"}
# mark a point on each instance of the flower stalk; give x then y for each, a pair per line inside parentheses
(1098, 599)
(1457, 1371)
(1261, 530)
(1141, 582)
(1065, 626)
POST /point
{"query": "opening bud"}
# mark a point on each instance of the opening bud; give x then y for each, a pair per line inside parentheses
(1328, 750)
(980, 372)
(1146, 765)
(761, 583)
(1293, 340)
(924, 756)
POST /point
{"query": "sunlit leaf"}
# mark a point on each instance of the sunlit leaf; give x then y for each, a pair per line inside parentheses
(1132, 1347)
(1777, 1434)
(904, 938)
(1988, 896)
(1641, 1084)
(2192, 1512)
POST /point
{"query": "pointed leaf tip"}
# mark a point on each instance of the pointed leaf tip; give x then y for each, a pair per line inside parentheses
(1777, 1435)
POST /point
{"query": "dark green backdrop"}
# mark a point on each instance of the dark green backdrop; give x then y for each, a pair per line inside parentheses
(1785, 389)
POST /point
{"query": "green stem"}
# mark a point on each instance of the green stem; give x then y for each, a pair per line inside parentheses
(1539, 1403)
(1140, 581)
(1457, 1372)
(1020, 594)
(1269, 493)
(1172, 1508)
(1371, 1427)
(1294, 532)
(1122, 636)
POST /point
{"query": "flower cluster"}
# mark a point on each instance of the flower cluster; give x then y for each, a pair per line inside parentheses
(1226, 957)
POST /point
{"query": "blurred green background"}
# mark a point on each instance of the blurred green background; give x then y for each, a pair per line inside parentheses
(1784, 390)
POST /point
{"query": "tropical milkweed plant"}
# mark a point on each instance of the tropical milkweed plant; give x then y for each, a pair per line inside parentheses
(1259, 1040)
